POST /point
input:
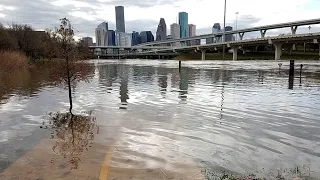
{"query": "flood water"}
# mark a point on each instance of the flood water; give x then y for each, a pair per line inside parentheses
(239, 117)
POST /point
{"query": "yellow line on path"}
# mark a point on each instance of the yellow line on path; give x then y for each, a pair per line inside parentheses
(105, 165)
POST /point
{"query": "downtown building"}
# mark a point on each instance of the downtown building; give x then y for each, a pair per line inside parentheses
(111, 38)
(183, 22)
(146, 36)
(120, 23)
(175, 33)
(215, 30)
(192, 32)
(161, 33)
(88, 41)
(101, 33)
(123, 39)
(229, 37)
(135, 38)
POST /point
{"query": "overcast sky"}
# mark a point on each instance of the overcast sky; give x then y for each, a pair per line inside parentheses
(145, 14)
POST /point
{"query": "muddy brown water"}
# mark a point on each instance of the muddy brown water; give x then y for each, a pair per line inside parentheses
(211, 118)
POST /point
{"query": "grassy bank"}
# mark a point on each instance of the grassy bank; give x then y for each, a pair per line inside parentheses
(252, 56)
(12, 60)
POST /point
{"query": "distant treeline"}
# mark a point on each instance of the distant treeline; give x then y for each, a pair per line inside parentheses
(36, 44)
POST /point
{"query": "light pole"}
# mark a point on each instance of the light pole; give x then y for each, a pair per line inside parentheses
(224, 28)
(237, 13)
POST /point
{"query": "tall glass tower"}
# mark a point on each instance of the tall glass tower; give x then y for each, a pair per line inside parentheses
(120, 25)
(162, 30)
(183, 22)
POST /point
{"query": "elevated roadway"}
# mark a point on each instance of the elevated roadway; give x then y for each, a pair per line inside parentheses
(262, 29)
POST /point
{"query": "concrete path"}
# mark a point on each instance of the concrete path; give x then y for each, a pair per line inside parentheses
(99, 162)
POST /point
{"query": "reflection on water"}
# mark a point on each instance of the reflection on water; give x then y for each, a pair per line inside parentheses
(183, 86)
(124, 96)
(73, 135)
(238, 117)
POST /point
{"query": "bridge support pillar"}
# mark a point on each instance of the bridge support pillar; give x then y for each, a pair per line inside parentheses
(203, 54)
(290, 48)
(241, 36)
(218, 39)
(263, 33)
(294, 30)
(243, 50)
(278, 50)
(235, 53)
(290, 51)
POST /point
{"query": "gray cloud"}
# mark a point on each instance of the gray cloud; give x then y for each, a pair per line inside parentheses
(42, 14)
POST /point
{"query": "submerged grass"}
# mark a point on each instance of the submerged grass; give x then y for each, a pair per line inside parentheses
(296, 173)
(12, 60)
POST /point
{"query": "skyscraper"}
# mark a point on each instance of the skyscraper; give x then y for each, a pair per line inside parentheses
(120, 24)
(161, 31)
(111, 38)
(230, 36)
(216, 28)
(146, 36)
(135, 38)
(183, 22)
(87, 41)
(192, 30)
(123, 39)
(175, 32)
(102, 34)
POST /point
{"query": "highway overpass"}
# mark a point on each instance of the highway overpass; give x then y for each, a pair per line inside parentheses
(161, 46)
(277, 41)
(241, 32)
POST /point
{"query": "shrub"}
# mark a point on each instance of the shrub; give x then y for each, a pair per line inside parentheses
(10, 61)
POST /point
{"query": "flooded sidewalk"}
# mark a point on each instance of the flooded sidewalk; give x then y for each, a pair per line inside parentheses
(212, 119)
(99, 162)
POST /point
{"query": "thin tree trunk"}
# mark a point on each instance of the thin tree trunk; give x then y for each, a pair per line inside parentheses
(69, 86)
(71, 123)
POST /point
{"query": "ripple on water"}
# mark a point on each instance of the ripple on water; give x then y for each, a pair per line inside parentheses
(239, 116)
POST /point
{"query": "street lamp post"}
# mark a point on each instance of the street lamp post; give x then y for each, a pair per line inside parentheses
(224, 28)
(237, 13)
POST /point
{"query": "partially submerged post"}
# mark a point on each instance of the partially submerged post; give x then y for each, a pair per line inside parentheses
(179, 66)
(301, 66)
(291, 74)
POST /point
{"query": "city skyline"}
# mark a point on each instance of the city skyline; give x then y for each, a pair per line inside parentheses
(119, 37)
(85, 15)
(123, 38)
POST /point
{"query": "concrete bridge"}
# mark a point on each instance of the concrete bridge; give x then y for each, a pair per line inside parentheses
(167, 47)
(262, 29)
(277, 41)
